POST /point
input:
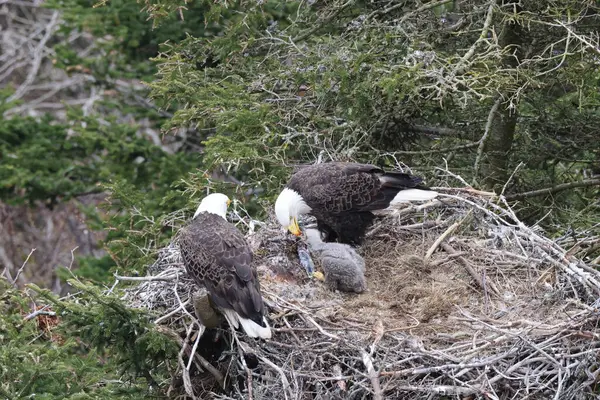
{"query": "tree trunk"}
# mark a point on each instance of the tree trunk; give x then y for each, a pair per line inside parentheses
(495, 161)
(494, 168)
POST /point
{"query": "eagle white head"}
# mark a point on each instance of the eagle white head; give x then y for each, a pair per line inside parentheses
(288, 207)
(215, 203)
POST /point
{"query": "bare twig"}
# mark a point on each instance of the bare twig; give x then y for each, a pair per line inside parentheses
(468, 267)
(14, 282)
(463, 63)
(208, 366)
(41, 311)
(443, 236)
(510, 178)
(373, 375)
(145, 278)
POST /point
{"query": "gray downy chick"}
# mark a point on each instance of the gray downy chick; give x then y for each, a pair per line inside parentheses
(344, 268)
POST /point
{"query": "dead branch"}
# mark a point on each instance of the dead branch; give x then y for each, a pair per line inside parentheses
(554, 189)
(444, 236)
(373, 375)
(37, 58)
(436, 130)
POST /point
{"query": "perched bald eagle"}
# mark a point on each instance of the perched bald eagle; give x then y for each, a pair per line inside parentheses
(342, 197)
(216, 255)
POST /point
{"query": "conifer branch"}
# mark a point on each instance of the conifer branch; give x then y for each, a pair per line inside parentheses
(323, 23)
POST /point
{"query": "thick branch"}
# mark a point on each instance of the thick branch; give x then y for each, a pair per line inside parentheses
(554, 189)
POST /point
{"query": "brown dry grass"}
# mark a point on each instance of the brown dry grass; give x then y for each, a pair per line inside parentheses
(404, 289)
(406, 292)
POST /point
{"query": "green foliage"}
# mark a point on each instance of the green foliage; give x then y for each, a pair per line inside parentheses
(139, 213)
(129, 37)
(37, 363)
(111, 329)
(351, 82)
(54, 162)
(142, 180)
(94, 269)
(140, 224)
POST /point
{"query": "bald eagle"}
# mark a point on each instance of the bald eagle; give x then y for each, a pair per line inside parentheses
(342, 197)
(216, 256)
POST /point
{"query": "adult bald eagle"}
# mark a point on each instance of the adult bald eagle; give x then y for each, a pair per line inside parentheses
(216, 255)
(342, 197)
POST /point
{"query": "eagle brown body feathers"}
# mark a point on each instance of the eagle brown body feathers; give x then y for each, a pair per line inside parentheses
(216, 255)
(343, 195)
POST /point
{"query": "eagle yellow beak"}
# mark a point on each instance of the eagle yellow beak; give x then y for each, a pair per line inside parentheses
(228, 202)
(318, 276)
(294, 228)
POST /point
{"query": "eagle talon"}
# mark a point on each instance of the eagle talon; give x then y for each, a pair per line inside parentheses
(318, 276)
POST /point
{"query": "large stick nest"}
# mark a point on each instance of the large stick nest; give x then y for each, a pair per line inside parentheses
(463, 301)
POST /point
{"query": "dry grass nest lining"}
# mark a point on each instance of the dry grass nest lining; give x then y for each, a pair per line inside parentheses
(463, 300)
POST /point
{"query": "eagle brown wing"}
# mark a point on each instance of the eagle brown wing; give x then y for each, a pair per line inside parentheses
(216, 255)
(338, 187)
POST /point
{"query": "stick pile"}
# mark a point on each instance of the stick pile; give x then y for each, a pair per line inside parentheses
(463, 300)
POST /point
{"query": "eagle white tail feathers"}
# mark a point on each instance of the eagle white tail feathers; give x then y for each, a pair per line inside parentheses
(414, 195)
(251, 328)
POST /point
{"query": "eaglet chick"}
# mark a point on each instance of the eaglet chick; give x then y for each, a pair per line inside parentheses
(344, 269)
